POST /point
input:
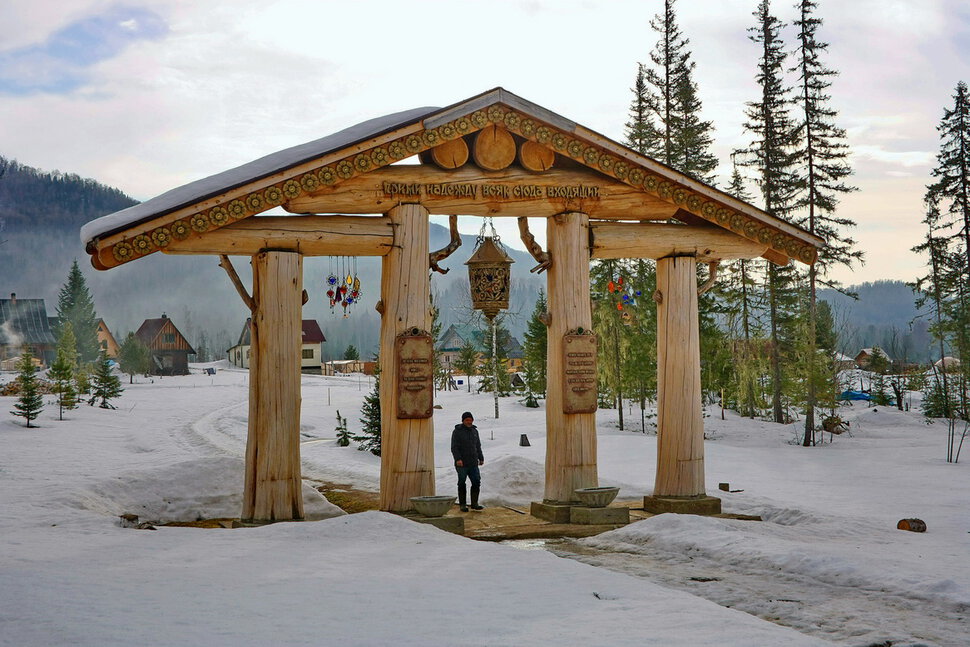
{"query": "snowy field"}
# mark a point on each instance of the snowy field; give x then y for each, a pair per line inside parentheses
(826, 566)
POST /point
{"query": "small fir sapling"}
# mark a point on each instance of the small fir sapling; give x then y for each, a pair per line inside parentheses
(105, 386)
(343, 434)
(30, 403)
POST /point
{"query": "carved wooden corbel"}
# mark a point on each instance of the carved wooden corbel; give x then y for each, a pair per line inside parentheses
(546, 318)
(711, 278)
(445, 252)
(530, 244)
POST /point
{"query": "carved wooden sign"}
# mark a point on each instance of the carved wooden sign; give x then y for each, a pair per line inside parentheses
(579, 362)
(415, 375)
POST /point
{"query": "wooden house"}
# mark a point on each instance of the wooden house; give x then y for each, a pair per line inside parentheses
(311, 349)
(864, 358)
(170, 350)
(24, 322)
(455, 337)
(106, 341)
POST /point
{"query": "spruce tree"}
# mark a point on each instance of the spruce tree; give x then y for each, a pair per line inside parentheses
(61, 374)
(343, 434)
(535, 347)
(665, 120)
(467, 362)
(105, 385)
(369, 439)
(823, 167)
(75, 305)
(351, 353)
(772, 154)
(744, 302)
(134, 357)
(608, 325)
(30, 402)
(639, 319)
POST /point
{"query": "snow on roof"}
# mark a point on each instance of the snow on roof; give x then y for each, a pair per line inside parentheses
(264, 166)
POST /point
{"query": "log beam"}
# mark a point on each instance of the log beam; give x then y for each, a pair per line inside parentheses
(273, 488)
(407, 445)
(680, 427)
(657, 240)
(571, 438)
(469, 191)
(494, 148)
(307, 235)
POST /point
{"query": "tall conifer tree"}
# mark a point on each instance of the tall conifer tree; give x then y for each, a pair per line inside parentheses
(773, 155)
(823, 167)
(535, 349)
(75, 305)
(665, 114)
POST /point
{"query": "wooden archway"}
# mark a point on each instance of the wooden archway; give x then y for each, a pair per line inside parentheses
(492, 155)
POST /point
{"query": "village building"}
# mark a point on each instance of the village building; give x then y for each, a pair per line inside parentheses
(24, 322)
(106, 341)
(311, 349)
(456, 336)
(948, 364)
(169, 349)
(864, 358)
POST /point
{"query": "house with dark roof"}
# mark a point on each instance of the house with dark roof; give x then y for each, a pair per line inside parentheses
(311, 352)
(24, 322)
(169, 348)
(456, 336)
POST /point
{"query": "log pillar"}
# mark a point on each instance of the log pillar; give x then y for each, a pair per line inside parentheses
(407, 445)
(273, 484)
(680, 427)
(570, 438)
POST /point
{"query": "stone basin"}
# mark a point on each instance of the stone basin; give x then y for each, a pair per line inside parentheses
(597, 497)
(432, 506)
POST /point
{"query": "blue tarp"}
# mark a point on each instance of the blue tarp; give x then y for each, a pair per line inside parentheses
(854, 395)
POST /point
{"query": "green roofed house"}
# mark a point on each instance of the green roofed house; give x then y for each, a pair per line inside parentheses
(24, 322)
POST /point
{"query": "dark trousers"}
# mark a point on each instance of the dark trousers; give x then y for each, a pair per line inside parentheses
(470, 472)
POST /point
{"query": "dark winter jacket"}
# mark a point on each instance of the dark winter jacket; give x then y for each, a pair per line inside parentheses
(466, 446)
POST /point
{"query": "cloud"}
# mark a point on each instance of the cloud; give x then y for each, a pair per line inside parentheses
(61, 63)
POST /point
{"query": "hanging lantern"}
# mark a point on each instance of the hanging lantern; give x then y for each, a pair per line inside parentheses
(489, 273)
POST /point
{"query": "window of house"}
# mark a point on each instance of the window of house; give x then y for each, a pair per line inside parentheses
(104, 344)
(169, 338)
(307, 353)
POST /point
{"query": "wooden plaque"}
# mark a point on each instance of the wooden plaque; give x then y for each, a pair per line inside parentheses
(579, 362)
(415, 375)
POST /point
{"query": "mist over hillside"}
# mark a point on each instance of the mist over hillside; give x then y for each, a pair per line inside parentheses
(884, 315)
(41, 214)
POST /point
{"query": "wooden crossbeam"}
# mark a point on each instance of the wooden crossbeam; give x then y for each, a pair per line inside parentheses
(308, 235)
(513, 192)
(657, 240)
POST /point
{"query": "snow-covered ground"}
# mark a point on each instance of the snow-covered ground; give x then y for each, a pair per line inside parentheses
(826, 565)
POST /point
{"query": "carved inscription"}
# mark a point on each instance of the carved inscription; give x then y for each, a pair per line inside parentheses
(415, 392)
(579, 363)
(489, 190)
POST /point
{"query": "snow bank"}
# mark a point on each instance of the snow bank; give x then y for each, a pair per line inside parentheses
(209, 488)
(832, 550)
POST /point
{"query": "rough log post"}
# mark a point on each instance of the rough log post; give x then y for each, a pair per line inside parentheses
(571, 438)
(680, 428)
(407, 445)
(273, 486)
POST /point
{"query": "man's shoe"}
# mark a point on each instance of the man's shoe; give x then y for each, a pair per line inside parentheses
(464, 508)
(478, 507)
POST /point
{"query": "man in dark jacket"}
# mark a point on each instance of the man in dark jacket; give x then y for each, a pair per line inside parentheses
(466, 448)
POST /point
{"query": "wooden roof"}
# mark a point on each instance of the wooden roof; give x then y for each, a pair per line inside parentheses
(149, 330)
(296, 173)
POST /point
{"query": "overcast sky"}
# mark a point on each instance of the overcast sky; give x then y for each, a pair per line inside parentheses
(146, 96)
